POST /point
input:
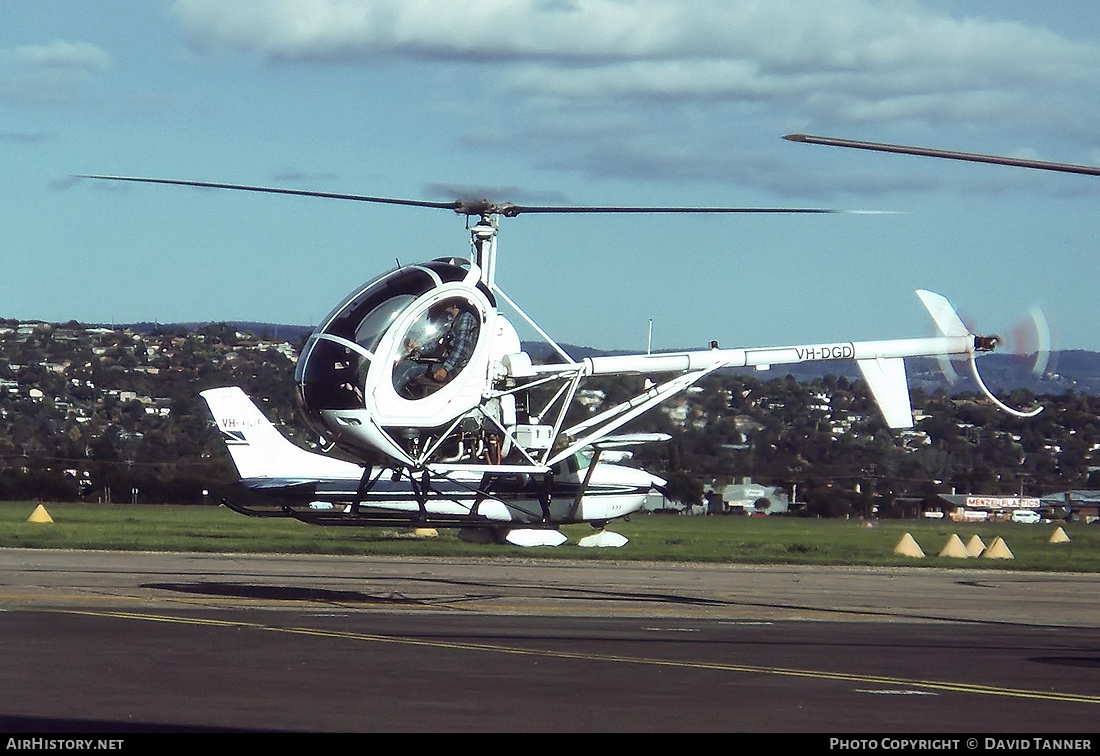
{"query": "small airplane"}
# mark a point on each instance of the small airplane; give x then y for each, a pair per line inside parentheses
(419, 369)
(486, 502)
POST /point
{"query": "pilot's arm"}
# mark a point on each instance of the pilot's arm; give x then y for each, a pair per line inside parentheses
(461, 341)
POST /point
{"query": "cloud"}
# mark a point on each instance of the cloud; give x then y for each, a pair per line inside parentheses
(296, 176)
(61, 54)
(49, 72)
(674, 153)
(688, 71)
(777, 36)
(476, 30)
(855, 60)
(25, 137)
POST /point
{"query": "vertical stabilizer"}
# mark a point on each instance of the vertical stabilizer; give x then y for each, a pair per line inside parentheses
(259, 450)
(947, 320)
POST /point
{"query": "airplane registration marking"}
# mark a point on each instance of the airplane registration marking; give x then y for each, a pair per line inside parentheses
(844, 351)
(236, 422)
(905, 683)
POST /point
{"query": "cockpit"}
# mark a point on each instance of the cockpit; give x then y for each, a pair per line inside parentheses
(401, 337)
(435, 348)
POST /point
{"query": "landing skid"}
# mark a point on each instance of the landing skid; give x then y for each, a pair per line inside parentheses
(282, 511)
(337, 516)
(473, 529)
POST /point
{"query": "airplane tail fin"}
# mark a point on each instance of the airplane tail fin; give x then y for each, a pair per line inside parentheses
(259, 451)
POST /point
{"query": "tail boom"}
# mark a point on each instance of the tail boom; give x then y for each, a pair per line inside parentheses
(881, 362)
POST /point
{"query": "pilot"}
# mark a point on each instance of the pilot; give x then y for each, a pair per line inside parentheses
(423, 370)
(458, 343)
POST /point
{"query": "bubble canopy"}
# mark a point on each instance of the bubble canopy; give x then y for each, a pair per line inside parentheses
(342, 355)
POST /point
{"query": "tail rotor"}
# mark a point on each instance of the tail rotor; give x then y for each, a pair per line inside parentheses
(1033, 329)
(1029, 341)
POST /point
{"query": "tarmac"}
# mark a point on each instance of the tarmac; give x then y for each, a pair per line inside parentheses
(126, 642)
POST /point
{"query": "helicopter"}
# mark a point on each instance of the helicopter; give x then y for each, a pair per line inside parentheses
(420, 377)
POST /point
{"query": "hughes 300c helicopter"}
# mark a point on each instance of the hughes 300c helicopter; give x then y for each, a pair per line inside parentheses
(419, 367)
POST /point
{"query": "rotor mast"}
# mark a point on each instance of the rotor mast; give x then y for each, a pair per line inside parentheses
(483, 242)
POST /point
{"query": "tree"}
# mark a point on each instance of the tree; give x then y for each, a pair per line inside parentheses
(684, 488)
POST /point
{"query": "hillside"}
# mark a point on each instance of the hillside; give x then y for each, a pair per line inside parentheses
(113, 413)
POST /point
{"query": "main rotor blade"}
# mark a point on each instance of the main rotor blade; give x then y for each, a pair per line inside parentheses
(468, 207)
(512, 210)
(973, 157)
(454, 205)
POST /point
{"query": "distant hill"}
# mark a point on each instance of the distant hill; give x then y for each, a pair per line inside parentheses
(276, 331)
(1071, 370)
(91, 412)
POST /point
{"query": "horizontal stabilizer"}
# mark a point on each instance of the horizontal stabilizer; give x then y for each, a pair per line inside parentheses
(886, 377)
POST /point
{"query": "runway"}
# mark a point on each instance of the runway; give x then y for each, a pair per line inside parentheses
(114, 642)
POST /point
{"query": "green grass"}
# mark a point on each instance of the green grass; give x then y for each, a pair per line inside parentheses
(781, 540)
(747, 540)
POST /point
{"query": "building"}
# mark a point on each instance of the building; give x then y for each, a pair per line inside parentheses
(963, 507)
(1081, 505)
(753, 498)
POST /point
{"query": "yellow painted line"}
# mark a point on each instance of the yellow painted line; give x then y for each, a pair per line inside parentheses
(953, 687)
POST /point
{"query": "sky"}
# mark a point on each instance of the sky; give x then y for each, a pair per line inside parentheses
(605, 102)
